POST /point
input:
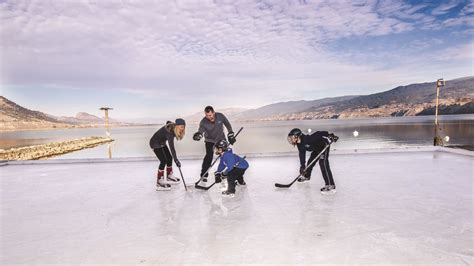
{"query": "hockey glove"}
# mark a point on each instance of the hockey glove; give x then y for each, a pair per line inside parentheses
(218, 177)
(333, 137)
(197, 136)
(231, 138)
(224, 175)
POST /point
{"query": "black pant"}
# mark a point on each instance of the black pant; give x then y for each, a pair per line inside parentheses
(232, 176)
(324, 165)
(164, 156)
(206, 163)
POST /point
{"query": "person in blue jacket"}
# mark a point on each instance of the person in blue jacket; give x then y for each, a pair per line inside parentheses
(231, 166)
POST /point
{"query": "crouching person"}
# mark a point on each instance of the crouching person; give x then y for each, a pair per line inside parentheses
(231, 166)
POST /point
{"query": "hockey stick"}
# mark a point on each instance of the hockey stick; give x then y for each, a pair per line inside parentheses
(207, 188)
(311, 163)
(214, 162)
(182, 178)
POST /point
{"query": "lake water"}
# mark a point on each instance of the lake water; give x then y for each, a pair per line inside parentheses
(264, 137)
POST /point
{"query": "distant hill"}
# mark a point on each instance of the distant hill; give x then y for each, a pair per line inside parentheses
(85, 118)
(457, 97)
(16, 117)
(283, 108)
(10, 111)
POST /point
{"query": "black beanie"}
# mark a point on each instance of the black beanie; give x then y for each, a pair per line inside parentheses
(180, 122)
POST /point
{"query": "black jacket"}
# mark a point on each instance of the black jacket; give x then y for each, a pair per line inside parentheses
(313, 143)
(163, 135)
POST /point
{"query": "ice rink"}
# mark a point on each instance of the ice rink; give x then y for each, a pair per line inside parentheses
(390, 207)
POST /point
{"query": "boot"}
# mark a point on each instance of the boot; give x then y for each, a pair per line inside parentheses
(228, 194)
(170, 178)
(160, 181)
(331, 189)
(240, 181)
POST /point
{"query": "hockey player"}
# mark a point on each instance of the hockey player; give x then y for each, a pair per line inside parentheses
(314, 143)
(158, 142)
(212, 127)
(231, 166)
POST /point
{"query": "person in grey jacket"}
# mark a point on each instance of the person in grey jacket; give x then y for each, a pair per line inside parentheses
(158, 143)
(212, 128)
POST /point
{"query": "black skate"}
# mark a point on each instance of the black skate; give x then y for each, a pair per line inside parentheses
(303, 179)
(331, 189)
(228, 194)
(240, 182)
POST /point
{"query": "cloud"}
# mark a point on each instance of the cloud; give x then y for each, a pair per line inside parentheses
(191, 50)
(445, 7)
(468, 9)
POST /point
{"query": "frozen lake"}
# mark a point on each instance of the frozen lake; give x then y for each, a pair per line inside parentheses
(403, 207)
(264, 137)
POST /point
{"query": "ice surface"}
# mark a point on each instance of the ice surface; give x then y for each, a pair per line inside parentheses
(413, 207)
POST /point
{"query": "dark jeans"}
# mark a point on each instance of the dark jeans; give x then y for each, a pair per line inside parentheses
(164, 156)
(232, 176)
(324, 165)
(206, 163)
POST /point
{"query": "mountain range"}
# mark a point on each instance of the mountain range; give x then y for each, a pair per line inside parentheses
(16, 117)
(457, 97)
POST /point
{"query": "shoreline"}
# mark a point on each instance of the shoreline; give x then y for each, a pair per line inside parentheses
(352, 119)
(45, 151)
(68, 127)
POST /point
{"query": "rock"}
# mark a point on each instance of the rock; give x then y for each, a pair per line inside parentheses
(52, 149)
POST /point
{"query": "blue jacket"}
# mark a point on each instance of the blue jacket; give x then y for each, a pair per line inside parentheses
(229, 160)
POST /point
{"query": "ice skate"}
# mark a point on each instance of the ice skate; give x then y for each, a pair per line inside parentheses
(329, 190)
(170, 178)
(240, 182)
(228, 194)
(303, 179)
(160, 181)
(162, 186)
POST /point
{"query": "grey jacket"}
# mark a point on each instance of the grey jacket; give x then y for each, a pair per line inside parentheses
(213, 132)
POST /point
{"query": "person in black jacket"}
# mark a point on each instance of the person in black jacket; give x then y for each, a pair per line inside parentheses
(158, 142)
(315, 143)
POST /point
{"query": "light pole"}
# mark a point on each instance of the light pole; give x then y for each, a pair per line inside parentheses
(438, 141)
(109, 147)
(106, 109)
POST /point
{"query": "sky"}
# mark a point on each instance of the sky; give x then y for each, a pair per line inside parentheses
(167, 59)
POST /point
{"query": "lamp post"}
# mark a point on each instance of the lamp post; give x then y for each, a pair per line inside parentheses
(106, 109)
(109, 147)
(438, 141)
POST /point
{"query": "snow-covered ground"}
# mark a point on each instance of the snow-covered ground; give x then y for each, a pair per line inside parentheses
(407, 207)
